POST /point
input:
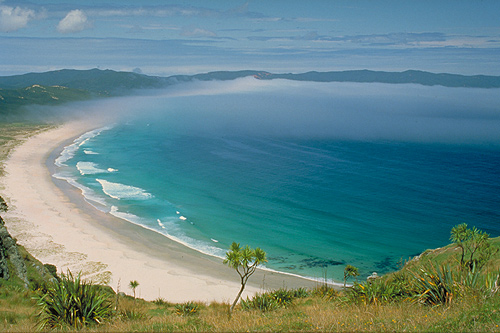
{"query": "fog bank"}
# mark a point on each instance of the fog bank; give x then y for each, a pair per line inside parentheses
(357, 111)
(282, 108)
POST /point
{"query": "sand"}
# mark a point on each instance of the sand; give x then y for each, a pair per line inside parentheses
(52, 220)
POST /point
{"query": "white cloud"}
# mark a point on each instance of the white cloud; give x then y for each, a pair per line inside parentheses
(197, 32)
(75, 21)
(12, 19)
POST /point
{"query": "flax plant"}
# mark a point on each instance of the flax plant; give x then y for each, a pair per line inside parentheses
(72, 302)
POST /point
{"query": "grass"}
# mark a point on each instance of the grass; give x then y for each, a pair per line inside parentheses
(314, 313)
(472, 312)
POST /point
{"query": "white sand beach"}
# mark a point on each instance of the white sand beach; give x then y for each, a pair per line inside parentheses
(57, 226)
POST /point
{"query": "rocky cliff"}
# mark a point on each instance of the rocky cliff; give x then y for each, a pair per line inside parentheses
(16, 262)
(9, 253)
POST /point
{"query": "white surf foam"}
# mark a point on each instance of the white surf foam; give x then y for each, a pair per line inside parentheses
(89, 195)
(69, 151)
(160, 224)
(168, 228)
(120, 191)
(89, 168)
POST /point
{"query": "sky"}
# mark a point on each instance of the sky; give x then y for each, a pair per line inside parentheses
(187, 37)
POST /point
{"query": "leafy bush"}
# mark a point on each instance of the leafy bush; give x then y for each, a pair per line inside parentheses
(300, 292)
(283, 296)
(161, 302)
(263, 302)
(274, 299)
(325, 291)
(71, 301)
(51, 269)
(375, 292)
(186, 309)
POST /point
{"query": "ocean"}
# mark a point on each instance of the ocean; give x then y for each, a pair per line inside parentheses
(319, 175)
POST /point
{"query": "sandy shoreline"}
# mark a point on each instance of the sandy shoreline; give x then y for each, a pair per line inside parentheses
(51, 219)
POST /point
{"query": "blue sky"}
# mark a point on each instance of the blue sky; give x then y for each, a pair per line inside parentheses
(187, 37)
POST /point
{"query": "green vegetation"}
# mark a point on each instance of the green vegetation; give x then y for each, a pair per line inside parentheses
(273, 300)
(72, 302)
(474, 244)
(350, 271)
(132, 285)
(98, 82)
(186, 309)
(10, 99)
(245, 262)
(3, 205)
(63, 86)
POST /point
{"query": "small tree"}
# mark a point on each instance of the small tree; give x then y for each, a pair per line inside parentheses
(349, 271)
(245, 262)
(459, 235)
(474, 243)
(478, 243)
(133, 284)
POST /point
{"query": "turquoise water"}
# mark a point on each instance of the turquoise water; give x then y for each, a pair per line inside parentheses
(205, 170)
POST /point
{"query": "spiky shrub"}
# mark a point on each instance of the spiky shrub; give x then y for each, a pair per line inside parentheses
(72, 302)
(375, 292)
(300, 292)
(435, 286)
(186, 309)
(442, 285)
(263, 302)
(279, 298)
(161, 302)
(492, 283)
(132, 314)
(325, 291)
(283, 296)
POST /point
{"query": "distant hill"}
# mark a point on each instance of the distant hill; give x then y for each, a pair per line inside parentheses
(68, 85)
(410, 76)
(42, 95)
(219, 76)
(100, 82)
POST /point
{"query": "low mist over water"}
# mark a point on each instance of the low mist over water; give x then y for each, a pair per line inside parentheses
(359, 111)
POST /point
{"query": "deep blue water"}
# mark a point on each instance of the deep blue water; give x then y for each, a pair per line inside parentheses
(313, 202)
